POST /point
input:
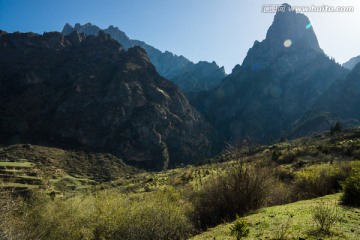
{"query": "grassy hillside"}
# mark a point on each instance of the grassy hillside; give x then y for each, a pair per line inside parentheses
(293, 221)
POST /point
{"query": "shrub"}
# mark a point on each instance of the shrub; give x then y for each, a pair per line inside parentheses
(351, 186)
(319, 180)
(240, 228)
(241, 189)
(325, 217)
(281, 193)
(287, 156)
(282, 232)
(285, 173)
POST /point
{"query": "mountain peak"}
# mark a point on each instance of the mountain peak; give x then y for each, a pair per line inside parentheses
(290, 33)
(280, 79)
(291, 29)
(67, 29)
(286, 7)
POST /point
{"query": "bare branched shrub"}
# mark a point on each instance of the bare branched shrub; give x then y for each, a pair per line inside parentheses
(325, 217)
(283, 229)
(241, 189)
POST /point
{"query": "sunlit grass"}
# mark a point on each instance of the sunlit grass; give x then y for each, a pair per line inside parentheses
(267, 222)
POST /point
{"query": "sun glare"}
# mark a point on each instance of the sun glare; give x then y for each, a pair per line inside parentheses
(287, 43)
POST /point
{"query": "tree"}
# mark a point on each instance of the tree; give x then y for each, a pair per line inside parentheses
(336, 128)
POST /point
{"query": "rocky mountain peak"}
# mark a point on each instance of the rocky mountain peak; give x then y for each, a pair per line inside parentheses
(67, 29)
(138, 56)
(280, 78)
(291, 29)
(291, 33)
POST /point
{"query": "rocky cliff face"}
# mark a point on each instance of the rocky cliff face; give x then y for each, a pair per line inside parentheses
(80, 91)
(279, 80)
(190, 77)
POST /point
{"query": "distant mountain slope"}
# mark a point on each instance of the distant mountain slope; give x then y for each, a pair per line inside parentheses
(352, 63)
(279, 80)
(202, 76)
(190, 77)
(339, 103)
(80, 91)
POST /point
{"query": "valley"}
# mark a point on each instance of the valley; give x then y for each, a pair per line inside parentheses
(107, 137)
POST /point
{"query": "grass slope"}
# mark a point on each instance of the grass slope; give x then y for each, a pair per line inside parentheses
(267, 223)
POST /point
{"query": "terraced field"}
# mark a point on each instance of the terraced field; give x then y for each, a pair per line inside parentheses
(20, 176)
(56, 171)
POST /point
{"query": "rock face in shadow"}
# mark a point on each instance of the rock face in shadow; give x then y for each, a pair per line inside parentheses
(202, 76)
(190, 77)
(279, 80)
(340, 103)
(80, 91)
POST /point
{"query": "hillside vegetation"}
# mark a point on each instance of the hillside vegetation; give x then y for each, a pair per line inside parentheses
(76, 195)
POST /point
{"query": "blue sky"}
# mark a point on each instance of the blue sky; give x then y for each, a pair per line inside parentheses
(219, 30)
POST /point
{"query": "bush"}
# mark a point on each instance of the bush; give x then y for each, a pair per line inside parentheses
(319, 180)
(240, 228)
(243, 188)
(325, 217)
(281, 193)
(282, 232)
(351, 186)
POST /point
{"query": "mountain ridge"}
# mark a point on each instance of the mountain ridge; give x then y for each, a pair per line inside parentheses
(187, 75)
